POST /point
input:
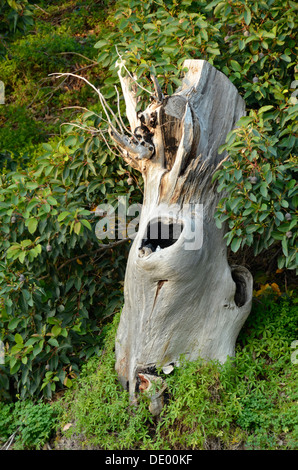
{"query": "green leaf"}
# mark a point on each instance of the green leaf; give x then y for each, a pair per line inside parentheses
(241, 45)
(72, 140)
(68, 383)
(100, 44)
(18, 339)
(13, 323)
(53, 342)
(235, 66)
(31, 185)
(268, 177)
(16, 349)
(285, 57)
(14, 369)
(22, 257)
(247, 16)
(244, 121)
(37, 348)
(32, 204)
(32, 224)
(263, 190)
(51, 200)
(48, 147)
(251, 228)
(149, 26)
(214, 3)
(235, 245)
(32, 341)
(86, 224)
(218, 223)
(284, 245)
(56, 330)
(263, 109)
(46, 208)
(77, 227)
(213, 50)
(26, 243)
(63, 215)
(13, 250)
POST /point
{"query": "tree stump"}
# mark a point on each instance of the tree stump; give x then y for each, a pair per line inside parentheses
(181, 296)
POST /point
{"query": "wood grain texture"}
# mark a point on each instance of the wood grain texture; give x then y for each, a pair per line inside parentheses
(181, 296)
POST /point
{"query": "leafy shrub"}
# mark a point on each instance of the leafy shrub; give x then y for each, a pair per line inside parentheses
(16, 15)
(260, 184)
(7, 421)
(18, 119)
(56, 286)
(253, 43)
(52, 273)
(39, 50)
(35, 101)
(9, 161)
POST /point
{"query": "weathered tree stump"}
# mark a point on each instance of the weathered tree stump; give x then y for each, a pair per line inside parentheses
(181, 296)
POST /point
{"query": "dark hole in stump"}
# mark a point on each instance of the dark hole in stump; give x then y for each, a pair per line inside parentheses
(240, 281)
(161, 234)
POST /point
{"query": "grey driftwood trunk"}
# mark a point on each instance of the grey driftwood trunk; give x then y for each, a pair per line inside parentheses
(182, 299)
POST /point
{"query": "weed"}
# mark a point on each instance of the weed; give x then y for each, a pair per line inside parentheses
(32, 423)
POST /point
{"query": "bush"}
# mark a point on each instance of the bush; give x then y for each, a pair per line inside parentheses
(260, 184)
(56, 286)
(31, 94)
(16, 15)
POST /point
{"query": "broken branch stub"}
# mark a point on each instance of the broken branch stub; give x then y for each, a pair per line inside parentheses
(181, 296)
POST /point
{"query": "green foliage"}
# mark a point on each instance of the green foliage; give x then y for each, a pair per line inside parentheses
(18, 119)
(260, 183)
(7, 421)
(101, 407)
(159, 36)
(248, 402)
(52, 272)
(56, 285)
(16, 15)
(254, 44)
(32, 424)
(35, 101)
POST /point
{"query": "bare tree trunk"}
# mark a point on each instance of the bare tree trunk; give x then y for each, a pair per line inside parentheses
(181, 296)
